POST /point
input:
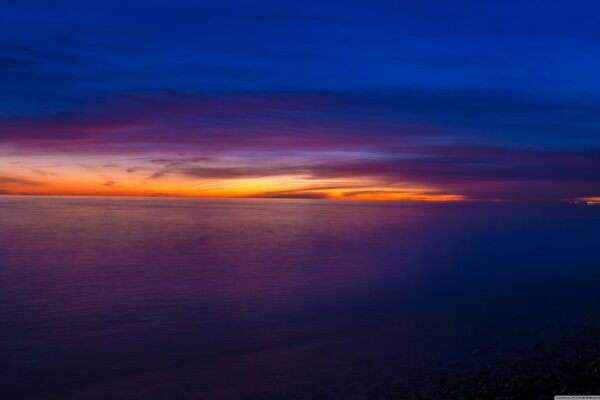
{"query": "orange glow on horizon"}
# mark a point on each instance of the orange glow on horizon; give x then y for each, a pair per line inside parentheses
(78, 183)
(142, 177)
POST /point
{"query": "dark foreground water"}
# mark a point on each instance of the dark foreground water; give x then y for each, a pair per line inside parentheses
(104, 298)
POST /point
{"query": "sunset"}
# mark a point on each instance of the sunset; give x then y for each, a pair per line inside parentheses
(404, 144)
(393, 101)
(235, 200)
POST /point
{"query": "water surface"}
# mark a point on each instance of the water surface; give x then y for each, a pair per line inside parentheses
(138, 298)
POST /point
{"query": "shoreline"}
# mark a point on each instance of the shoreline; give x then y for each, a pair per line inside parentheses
(567, 366)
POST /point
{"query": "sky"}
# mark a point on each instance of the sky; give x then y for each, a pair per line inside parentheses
(378, 100)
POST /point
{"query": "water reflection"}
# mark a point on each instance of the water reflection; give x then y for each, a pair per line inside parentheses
(147, 298)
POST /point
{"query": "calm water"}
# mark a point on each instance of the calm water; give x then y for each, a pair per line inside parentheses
(249, 299)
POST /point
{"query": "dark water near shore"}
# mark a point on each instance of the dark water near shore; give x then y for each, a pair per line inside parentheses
(248, 299)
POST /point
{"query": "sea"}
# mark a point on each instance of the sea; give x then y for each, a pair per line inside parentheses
(173, 298)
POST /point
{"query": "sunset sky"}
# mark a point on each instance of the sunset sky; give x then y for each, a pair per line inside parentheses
(438, 100)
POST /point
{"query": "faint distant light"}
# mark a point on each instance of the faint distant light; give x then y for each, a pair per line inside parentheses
(593, 201)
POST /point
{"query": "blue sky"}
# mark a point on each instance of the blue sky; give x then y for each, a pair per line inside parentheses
(504, 76)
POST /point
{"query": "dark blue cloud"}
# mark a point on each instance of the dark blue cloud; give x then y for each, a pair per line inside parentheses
(61, 52)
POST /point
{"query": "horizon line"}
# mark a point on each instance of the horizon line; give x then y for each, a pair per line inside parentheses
(589, 201)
